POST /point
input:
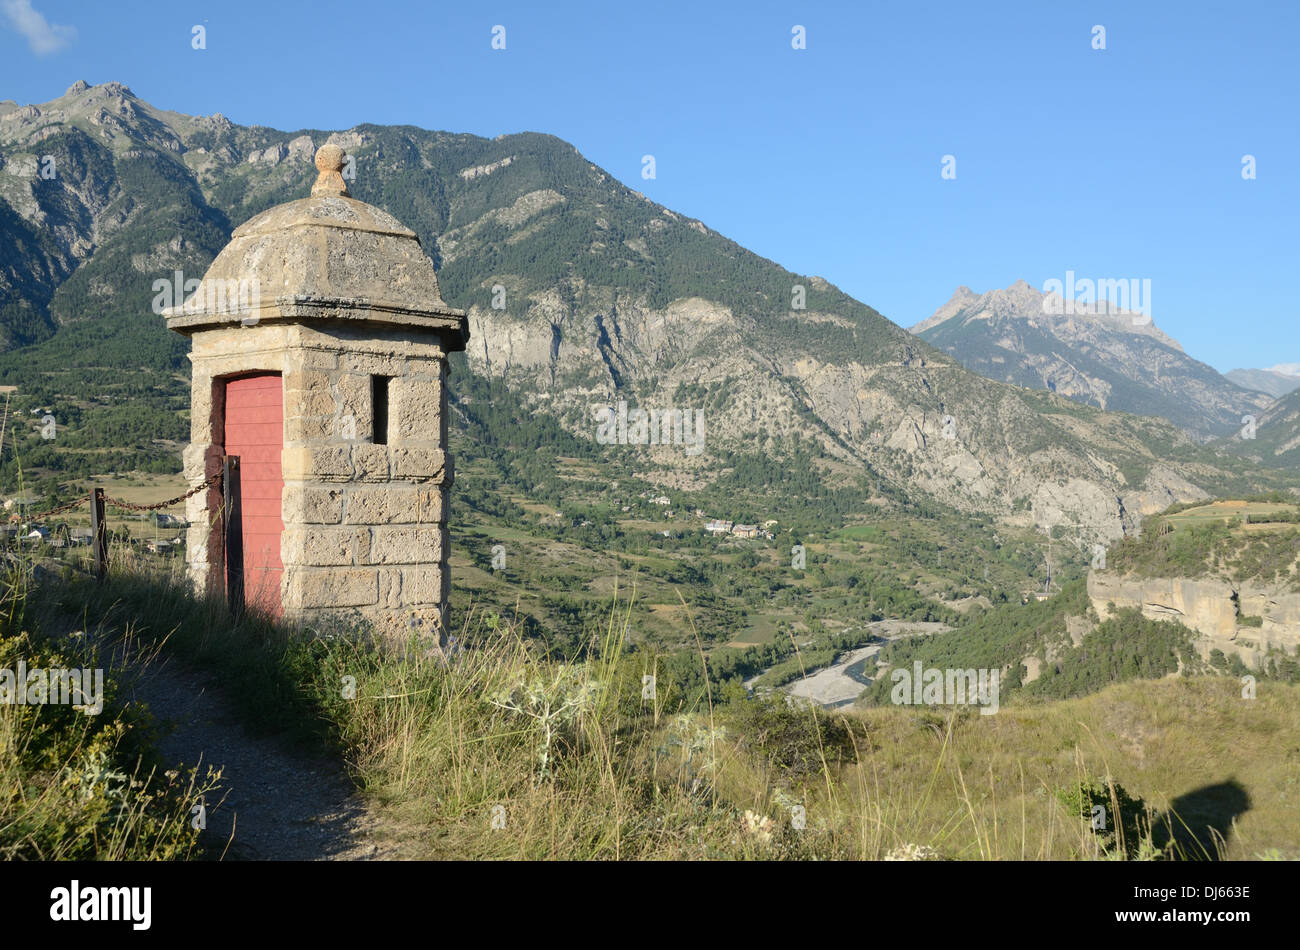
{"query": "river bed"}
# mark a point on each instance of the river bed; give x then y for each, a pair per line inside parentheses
(843, 681)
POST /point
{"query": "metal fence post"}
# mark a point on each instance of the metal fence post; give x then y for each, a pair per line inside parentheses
(234, 535)
(99, 533)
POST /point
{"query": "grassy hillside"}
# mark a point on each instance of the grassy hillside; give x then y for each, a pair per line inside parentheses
(504, 754)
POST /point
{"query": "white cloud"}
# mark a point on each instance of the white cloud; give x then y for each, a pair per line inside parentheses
(42, 36)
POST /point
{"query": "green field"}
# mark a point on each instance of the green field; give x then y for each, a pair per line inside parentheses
(1229, 511)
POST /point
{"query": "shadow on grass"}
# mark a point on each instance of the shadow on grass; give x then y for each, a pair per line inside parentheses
(1199, 823)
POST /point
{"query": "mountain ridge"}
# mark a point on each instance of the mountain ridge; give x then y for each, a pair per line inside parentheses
(580, 292)
(1094, 354)
(1275, 381)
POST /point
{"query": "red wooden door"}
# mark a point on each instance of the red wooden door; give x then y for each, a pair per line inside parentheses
(255, 433)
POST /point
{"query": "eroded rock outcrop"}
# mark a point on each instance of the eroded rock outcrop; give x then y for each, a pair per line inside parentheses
(1212, 606)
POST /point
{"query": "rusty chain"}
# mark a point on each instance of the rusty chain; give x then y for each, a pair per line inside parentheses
(53, 511)
(118, 503)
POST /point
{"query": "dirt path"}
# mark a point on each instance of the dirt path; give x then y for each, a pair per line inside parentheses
(273, 803)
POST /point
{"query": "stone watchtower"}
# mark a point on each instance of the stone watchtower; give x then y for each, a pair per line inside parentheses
(319, 351)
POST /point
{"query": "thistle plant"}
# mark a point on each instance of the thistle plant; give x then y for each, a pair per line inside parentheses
(695, 747)
(95, 776)
(554, 701)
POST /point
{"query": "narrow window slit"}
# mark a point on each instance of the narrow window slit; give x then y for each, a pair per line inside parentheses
(379, 408)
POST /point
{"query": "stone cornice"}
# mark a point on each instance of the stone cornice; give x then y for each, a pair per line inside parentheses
(448, 322)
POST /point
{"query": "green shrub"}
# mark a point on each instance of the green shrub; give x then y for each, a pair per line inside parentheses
(80, 786)
(796, 740)
(1097, 802)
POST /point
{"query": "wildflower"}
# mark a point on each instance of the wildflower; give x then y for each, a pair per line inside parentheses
(758, 826)
(913, 852)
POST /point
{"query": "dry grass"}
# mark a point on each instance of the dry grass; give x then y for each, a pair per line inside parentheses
(1227, 767)
(455, 751)
(639, 783)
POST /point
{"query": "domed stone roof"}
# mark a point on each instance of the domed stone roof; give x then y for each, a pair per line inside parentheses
(329, 256)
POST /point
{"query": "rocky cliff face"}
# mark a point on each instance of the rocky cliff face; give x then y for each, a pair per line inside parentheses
(914, 420)
(1212, 606)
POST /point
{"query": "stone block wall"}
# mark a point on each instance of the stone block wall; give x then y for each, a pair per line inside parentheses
(365, 525)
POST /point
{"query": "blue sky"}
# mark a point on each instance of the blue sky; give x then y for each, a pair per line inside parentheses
(1116, 163)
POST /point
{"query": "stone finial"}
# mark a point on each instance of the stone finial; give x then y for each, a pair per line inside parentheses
(329, 161)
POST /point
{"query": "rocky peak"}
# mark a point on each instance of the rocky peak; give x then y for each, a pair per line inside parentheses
(84, 96)
(115, 90)
(1018, 300)
(961, 299)
(1023, 302)
(215, 122)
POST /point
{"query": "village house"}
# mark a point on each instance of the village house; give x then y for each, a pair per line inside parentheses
(717, 526)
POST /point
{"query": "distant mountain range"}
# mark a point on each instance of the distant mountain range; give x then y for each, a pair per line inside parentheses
(1276, 381)
(1113, 360)
(583, 293)
(1274, 437)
